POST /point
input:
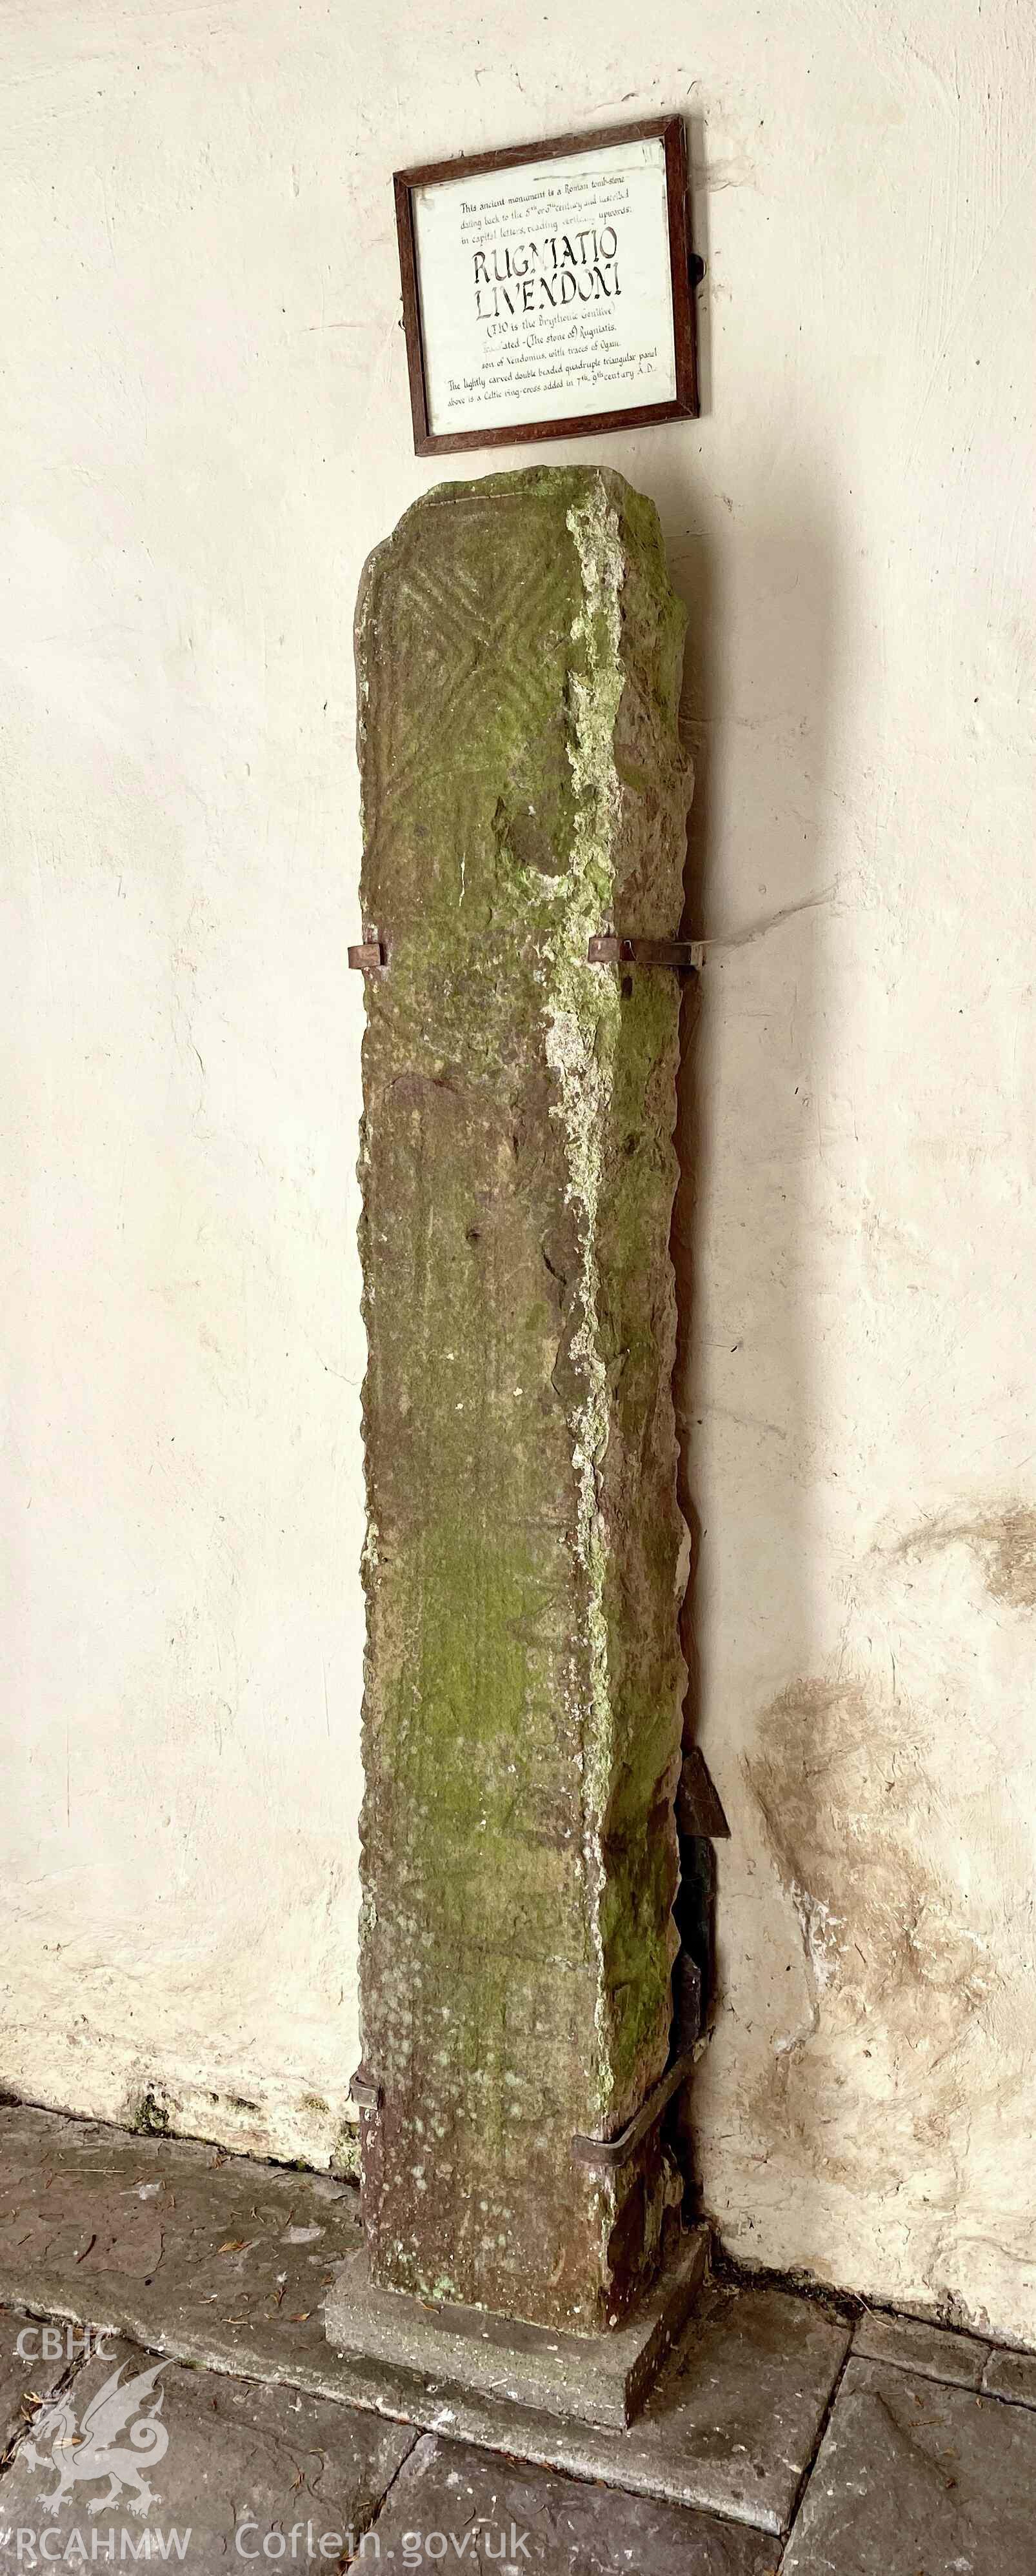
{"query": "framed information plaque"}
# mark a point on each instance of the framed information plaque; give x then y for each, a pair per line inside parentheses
(547, 289)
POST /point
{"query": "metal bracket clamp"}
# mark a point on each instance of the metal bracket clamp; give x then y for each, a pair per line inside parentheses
(608, 949)
(366, 2095)
(605, 2153)
(685, 956)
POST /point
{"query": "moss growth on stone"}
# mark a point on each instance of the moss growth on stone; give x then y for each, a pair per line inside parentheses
(149, 2115)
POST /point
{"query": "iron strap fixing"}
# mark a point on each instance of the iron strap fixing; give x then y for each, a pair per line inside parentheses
(602, 2153)
(606, 2153)
(606, 948)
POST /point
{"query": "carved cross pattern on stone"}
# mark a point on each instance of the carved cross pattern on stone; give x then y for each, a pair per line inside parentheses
(474, 643)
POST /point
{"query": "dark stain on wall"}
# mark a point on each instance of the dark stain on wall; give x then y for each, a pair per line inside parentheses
(1004, 1539)
(893, 1968)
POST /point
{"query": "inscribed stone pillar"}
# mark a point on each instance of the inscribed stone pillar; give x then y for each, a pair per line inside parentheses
(519, 653)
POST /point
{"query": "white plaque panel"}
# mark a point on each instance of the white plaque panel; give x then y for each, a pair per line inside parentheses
(545, 290)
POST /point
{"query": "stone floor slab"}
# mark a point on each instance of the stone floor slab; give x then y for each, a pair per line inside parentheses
(26, 2377)
(1011, 2375)
(210, 2257)
(729, 2427)
(735, 2417)
(930, 2351)
(225, 2262)
(915, 2478)
(225, 2463)
(492, 2513)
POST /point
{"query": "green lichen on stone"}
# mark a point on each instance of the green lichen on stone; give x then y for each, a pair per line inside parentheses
(149, 2115)
(345, 2154)
(518, 651)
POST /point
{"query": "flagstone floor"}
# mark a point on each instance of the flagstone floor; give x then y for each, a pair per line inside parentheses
(167, 2391)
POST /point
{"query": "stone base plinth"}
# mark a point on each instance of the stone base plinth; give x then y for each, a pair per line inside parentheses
(600, 2378)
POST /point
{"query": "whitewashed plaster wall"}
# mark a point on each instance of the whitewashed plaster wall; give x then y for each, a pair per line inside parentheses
(204, 430)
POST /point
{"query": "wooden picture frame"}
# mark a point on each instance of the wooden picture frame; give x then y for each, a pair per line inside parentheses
(433, 434)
